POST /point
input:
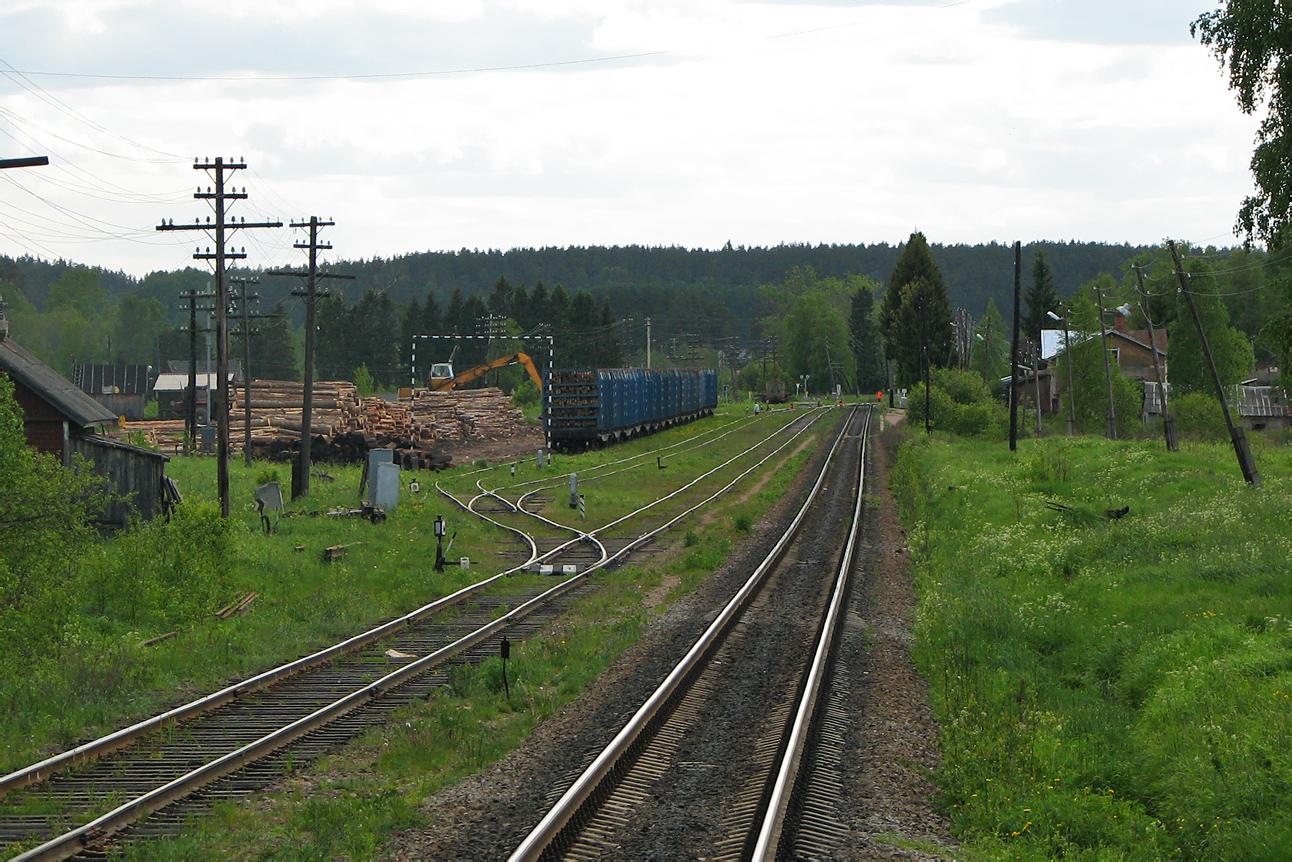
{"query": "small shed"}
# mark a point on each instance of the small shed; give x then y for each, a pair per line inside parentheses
(123, 389)
(137, 476)
(61, 420)
(53, 409)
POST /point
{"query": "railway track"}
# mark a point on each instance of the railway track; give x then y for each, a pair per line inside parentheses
(719, 762)
(239, 739)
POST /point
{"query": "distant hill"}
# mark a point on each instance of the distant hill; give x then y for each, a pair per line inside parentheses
(715, 288)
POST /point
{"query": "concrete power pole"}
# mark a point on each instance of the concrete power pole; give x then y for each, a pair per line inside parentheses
(220, 231)
(311, 293)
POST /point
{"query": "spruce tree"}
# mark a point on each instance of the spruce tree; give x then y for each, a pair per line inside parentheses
(867, 349)
(907, 331)
(1041, 297)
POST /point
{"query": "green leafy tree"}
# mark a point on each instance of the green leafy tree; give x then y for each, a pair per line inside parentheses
(990, 354)
(1041, 297)
(816, 334)
(1253, 40)
(82, 289)
(1230, 349)
(138, 322)
(275, 348)
(959, 402)
(44, 512)
(1089, 380)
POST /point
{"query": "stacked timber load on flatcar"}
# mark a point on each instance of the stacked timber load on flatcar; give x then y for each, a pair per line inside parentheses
(593, 407)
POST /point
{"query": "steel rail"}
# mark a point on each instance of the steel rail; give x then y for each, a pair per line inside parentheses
(119, 739)
(571, 802)
(738, 423)
(520, 501)
(75, 840)
(582, 536)
(769, 834)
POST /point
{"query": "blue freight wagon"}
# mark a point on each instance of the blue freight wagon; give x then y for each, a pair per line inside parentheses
(593, 407)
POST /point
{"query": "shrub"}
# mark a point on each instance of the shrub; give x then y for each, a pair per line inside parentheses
(959, 403)
(1198, 415)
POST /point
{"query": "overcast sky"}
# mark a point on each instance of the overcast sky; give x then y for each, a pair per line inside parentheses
(501, 123)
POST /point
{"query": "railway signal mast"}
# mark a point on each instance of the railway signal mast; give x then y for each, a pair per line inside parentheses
(220, 231)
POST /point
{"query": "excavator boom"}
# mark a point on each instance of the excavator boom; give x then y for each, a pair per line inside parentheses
(472, 373)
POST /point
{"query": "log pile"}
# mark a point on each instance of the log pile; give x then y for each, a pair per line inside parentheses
(467, 414)
(279, 404)
(344, 426)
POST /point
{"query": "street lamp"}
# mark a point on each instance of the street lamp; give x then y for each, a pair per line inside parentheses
(1067, 355)
(439, 543)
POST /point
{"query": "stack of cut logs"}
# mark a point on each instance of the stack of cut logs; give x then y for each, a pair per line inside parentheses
(345, 426)
(276, 406)
(467, 414)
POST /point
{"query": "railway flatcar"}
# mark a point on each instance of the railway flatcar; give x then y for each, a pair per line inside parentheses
(594, 407)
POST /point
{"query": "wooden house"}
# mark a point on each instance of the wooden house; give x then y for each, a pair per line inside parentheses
(61, 420)
(122, 389)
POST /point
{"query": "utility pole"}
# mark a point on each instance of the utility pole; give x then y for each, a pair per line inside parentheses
(648, 342)
(30, 162)
(1067, 356)
(1168, 421)
(1013, 348)
(311, 293)
(190, 418)
(220, 232)
(1036, 378)
(1246, 462)
(1110, 419)
(247, 317)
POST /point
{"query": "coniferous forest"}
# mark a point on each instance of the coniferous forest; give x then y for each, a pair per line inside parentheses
(593, 301)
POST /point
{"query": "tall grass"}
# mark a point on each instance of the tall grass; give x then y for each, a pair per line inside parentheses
(1107, 689)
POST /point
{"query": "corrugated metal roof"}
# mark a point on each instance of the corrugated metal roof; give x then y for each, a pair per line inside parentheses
(179, 382)
(80, 409)
(96, 379)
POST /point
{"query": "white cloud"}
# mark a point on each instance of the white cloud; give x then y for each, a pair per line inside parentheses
(867, 121)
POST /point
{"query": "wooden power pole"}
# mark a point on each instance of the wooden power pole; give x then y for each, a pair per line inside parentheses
(1013, 348)
(1168, 422)
(1110, 419)
(1246, 462)
(220, 232)
(311, 294)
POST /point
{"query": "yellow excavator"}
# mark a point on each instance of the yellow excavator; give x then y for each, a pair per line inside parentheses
(443, 379)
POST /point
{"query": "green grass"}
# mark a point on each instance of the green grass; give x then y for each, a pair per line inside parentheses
(159, 578)
(1106, 689)
(350, 804)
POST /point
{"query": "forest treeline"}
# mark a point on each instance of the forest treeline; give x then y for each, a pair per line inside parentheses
(593, 301)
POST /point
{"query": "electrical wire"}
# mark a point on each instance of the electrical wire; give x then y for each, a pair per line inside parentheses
(21, 79)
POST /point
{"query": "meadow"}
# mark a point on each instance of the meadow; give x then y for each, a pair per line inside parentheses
(160, 578)
(1107, 688)
(349, 804)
